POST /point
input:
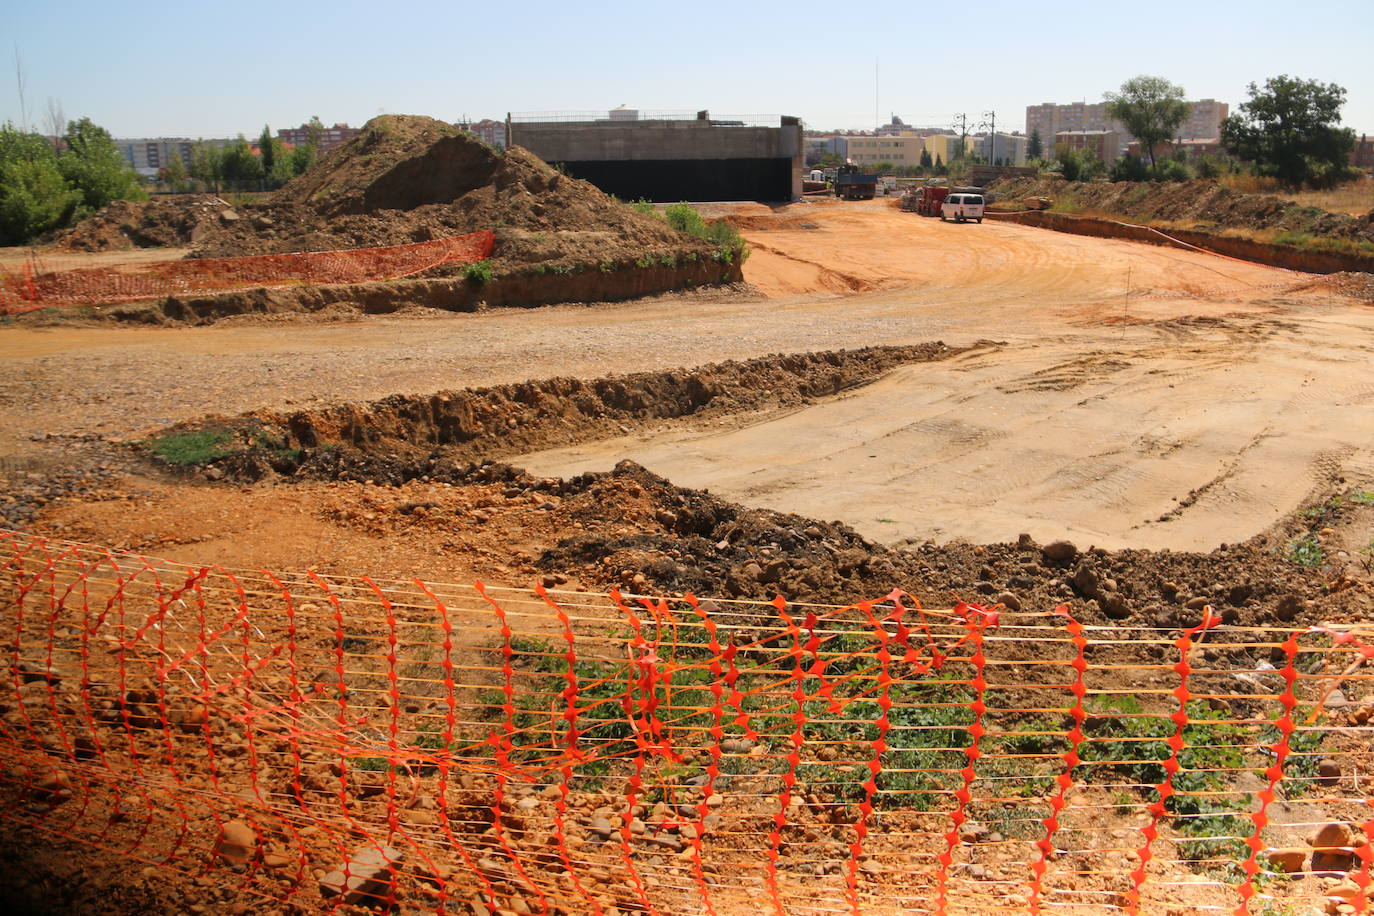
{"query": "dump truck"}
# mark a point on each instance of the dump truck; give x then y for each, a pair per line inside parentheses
(924, 200)
(851, 184)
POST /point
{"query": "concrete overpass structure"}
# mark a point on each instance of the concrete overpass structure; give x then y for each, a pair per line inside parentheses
(670, 156)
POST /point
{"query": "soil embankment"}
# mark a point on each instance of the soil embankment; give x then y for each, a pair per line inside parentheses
(609, 283)
(1204, 205)
(1289, 257)
(1255, 227)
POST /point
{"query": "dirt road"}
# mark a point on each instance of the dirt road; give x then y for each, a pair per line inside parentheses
(1140, 395)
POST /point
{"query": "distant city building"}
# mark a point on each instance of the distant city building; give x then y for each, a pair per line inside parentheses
(888, 148)
(1048, 119)
(330, 137)
(1192, 148)
(947, 147)
(1000, 148)
(894, 128)
(149, 156)
(1362, 156)
(1105, 144)
(492, 133)
(817, 148)
(1204, 120)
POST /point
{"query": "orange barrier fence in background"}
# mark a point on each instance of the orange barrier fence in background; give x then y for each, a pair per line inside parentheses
(29, 287)
(332, 741)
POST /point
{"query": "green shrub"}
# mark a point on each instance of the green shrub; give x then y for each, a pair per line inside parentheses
(730, 245)
(1170, 170)
(479, 274)
(1129, 168)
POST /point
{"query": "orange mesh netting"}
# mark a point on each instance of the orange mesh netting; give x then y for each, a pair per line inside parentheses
(28, 286)
(332, 741)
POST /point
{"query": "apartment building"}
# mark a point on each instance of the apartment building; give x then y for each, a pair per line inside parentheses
(896, 150)
(330, 137)
(1049, 119)
(1008, 149)
(1104, 144)
(946, 147)
(492, 133)
(150, 155)
(817, 148)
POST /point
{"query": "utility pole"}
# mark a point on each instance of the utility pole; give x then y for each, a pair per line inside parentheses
(991, 124)
(962, 120)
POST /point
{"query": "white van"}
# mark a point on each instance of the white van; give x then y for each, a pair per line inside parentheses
(960, 207)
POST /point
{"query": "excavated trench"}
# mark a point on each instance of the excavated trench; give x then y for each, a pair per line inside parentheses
(483, 424)
(628, 527)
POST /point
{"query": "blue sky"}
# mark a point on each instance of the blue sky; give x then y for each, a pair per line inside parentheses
(205, 70)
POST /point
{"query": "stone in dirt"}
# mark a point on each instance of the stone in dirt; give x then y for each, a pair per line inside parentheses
(367, 878)
(1328, 772)
(1332, 846)
(237, 843)
(1059, 551)
(1286, 860)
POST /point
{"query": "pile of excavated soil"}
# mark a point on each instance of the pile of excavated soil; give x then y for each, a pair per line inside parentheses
(1198, 204)
(406, 179)
(163, 222)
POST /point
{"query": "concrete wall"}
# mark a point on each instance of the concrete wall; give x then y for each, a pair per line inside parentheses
(673, 160)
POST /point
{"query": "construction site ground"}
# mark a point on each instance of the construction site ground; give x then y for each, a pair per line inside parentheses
(1124, 394)
(1176, 406)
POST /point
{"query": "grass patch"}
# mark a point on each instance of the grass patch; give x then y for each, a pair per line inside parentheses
(190, 449)
(730, 247)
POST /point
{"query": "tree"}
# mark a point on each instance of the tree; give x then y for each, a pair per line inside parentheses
(1078, 164)
(1288, 130)
(925, 159)
(238, 163)
(34, 197)
(831, 161)
(268, 148)
(1151, 107)
(93, 165)
(207, 165)
(1035, 147)
(174, 172)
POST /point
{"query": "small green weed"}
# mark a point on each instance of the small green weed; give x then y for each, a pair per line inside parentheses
(1306, 552)
(191, 449)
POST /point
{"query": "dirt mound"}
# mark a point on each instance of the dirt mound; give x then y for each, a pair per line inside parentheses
(407, 179)
(173, 221)
(1192, 204)
(395, 163)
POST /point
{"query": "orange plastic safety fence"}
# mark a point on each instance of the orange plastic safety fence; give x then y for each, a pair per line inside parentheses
(29, 287)
(333, 741)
